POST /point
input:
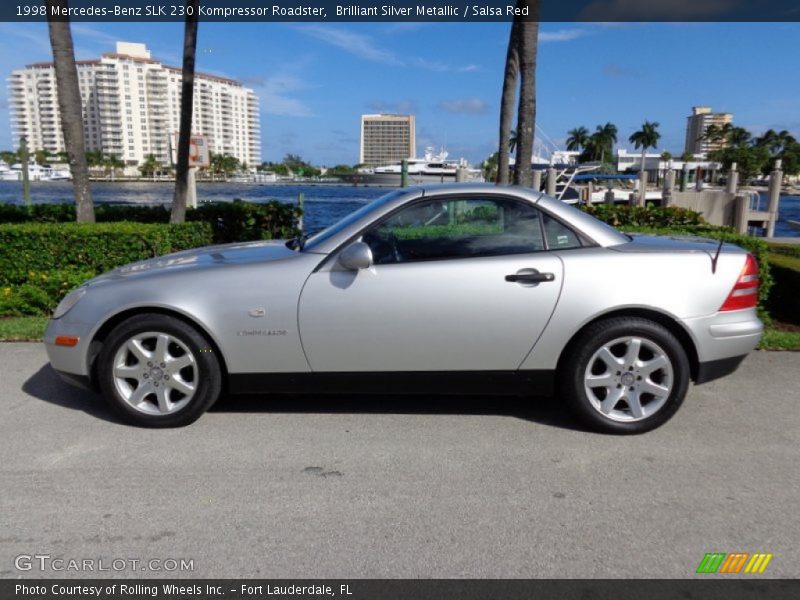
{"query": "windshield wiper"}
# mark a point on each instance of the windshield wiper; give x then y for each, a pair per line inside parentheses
(299, 241)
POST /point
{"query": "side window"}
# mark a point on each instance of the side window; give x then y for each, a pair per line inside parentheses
(559, 236)
(438, 229)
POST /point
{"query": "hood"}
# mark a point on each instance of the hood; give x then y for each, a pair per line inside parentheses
(671, 244)
(208, 257)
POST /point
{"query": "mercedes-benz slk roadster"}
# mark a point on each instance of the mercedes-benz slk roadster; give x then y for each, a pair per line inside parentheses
(438, 289)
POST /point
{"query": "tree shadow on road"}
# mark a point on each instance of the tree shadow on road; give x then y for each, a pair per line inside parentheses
(46, 385)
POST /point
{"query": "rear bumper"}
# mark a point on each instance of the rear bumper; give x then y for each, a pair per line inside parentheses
(723, 339)
(714, 369)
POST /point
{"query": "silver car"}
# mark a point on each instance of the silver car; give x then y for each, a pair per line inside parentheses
(454, 288)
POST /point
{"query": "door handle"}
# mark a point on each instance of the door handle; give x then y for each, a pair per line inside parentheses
(530, 277)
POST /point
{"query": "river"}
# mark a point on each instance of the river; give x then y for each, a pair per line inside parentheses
(324, 203)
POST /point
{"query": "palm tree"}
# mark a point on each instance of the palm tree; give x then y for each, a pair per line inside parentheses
(178, 214)
(714, 134)
(666, 156)
(512, 141)
(69, 105)
(40, 157)
(526, 109)
(94, 158)
(112, 163)
(738, 137)
(150, 166)
(606, 137)
(577, 138)
(775, 141)
(507, 104)
(489, 167)
(646, 137)
(9, 157)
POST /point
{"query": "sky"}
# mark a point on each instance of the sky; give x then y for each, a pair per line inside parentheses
(314, 80)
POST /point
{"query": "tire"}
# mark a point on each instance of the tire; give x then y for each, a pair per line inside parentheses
(158, 371)
(624, 375)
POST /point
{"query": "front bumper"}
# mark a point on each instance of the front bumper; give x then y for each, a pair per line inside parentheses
(68, 360)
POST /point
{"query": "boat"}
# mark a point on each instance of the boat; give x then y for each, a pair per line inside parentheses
(620, 185)
(255, 178)
(8, 174)
(36, 172)
(432, 168)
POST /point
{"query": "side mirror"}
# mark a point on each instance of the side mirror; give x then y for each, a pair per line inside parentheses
(357, 255)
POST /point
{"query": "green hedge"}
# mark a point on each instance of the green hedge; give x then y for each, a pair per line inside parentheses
(783, 303)
(236, 221)
(756, 246)
(40, 262)
(623, 215)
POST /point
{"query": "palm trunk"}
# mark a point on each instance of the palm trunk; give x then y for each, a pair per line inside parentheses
(69, 105)
(178, 214)
(507, 105)
(526, 114)
(643, 179)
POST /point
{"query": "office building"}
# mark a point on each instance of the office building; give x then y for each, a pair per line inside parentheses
(697, 123)
(387, 139)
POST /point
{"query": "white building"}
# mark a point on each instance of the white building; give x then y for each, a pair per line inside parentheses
(131, 105)
(696, 125)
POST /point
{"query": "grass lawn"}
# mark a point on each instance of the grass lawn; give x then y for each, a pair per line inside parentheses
(31, 329)
(22, 329)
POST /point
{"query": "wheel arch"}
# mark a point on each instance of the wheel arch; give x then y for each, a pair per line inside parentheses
(667, 321)
(99, 337)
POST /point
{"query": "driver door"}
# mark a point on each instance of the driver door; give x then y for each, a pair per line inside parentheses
(457, 284)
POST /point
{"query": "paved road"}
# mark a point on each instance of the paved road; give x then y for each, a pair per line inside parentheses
(401, 487)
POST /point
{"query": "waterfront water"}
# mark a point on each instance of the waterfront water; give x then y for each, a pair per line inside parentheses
(324, 203)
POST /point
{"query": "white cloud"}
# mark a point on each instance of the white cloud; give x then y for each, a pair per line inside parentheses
(357, 44)
(82, 30)
(441, 67)
(35, 35)
(399, 107)
(276, 94)
(465, 106)
(562, 35)
(363, 46)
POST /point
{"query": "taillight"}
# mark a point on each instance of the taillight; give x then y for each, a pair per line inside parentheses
(745, 291)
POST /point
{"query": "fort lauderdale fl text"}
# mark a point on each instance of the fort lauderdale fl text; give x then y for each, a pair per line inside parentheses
(172, 590)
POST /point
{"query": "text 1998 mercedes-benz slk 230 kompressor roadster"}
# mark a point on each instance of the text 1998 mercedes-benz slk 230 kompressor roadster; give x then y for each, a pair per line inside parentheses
(454, 288)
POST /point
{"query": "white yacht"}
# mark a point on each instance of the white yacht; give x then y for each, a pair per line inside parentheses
(36, 172)
(433, 168)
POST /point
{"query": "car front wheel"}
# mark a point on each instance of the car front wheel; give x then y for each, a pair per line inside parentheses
(158, 371)
(625, 375)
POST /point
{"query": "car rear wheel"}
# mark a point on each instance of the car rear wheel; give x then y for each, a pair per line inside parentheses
(158, 371)
(625, 375)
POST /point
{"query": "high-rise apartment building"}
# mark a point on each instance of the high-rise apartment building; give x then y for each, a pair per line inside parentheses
(387, 139)
(696, 126)
(131, 106)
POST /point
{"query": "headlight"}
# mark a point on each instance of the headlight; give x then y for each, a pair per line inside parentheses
(68, 302)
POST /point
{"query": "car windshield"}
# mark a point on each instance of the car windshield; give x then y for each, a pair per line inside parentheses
(324, 235)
